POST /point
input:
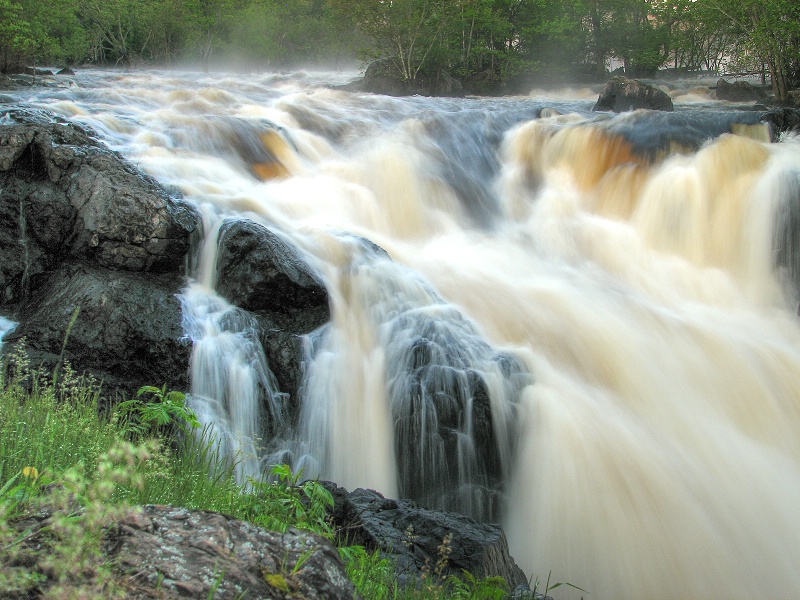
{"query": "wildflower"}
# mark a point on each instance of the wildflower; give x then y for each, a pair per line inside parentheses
(30, 472)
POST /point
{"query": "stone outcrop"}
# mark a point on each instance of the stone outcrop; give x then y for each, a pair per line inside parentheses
(267, 276)
(739, 91)
(622, 94)
(414, 537)
(84, 233)
(163, 552)
(179, 553)
(381, 77)
(126, 332)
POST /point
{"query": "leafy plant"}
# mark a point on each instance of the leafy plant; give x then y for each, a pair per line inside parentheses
(157, 414)
(62, 550)
(287, 501)
(371, 573)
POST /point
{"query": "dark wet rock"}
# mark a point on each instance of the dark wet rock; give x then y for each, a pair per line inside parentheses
(383, 77)
(126, 332)
(66, 71)
(786, 231)
(68, 197)
(439, 398)
(80, 228)
(442, 84)
(414, 537)
(622, 94)
(37, 72)
(178, 553)
(782, 120)
(739, 91)
(261, 272)
(380, 77)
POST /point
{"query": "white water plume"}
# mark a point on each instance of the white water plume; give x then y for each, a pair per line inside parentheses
(620, 292)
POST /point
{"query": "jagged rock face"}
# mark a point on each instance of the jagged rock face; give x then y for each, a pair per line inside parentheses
(179, 553)
(69, 197)
(127, 331)
(163, 552)
(413, 536)
(622, 94)
(82, 229)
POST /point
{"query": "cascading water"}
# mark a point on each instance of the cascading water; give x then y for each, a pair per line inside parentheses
(230, 379)
(586, 324)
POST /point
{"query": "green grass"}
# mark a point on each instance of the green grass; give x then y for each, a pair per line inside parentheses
(49, 428)
(56, 431)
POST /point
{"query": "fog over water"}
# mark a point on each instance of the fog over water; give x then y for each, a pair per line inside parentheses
(598, 311)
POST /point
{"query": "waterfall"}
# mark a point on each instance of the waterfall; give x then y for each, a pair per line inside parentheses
(231, 383)
(6, 325)
(583, 325)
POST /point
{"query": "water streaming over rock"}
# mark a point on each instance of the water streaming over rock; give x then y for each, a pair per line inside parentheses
(583, 324)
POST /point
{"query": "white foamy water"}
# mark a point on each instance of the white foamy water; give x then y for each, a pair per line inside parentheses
(619, 308)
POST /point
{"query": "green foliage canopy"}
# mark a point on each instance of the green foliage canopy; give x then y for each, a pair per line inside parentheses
(491, 40)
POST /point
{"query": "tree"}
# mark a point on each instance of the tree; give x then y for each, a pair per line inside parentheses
(771, 30)
(120, 31)
(287, 33)
(16, 38)
(208, 21)
(405, 32)
(31, 31)
(555, 40)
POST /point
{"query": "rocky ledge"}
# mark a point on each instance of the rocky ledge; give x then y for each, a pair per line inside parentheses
(92, 255)
(163, 552)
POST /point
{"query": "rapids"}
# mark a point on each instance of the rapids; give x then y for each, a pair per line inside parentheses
(622, 290)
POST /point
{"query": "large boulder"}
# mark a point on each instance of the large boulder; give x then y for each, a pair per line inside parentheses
(86, 202)
(383, 77)
(439, 371)
(164, 552)
(417, 539)
(122, 327)
(80, 228)
(263, 273)
(180, 553)
(739, 91)
(622, 94)
(380, 77)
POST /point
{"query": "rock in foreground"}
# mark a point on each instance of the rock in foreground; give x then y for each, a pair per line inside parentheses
(179, 553)
(163, 552)
(92, 255)
(413, 536)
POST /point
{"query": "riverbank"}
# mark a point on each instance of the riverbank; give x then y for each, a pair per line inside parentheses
(101, 504)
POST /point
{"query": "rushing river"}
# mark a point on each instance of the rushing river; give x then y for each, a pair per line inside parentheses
(618, 293)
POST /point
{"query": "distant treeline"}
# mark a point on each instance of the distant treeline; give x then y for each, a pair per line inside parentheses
(491, 40)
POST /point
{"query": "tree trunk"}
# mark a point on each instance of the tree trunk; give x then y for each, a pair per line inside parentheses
(780, 82)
